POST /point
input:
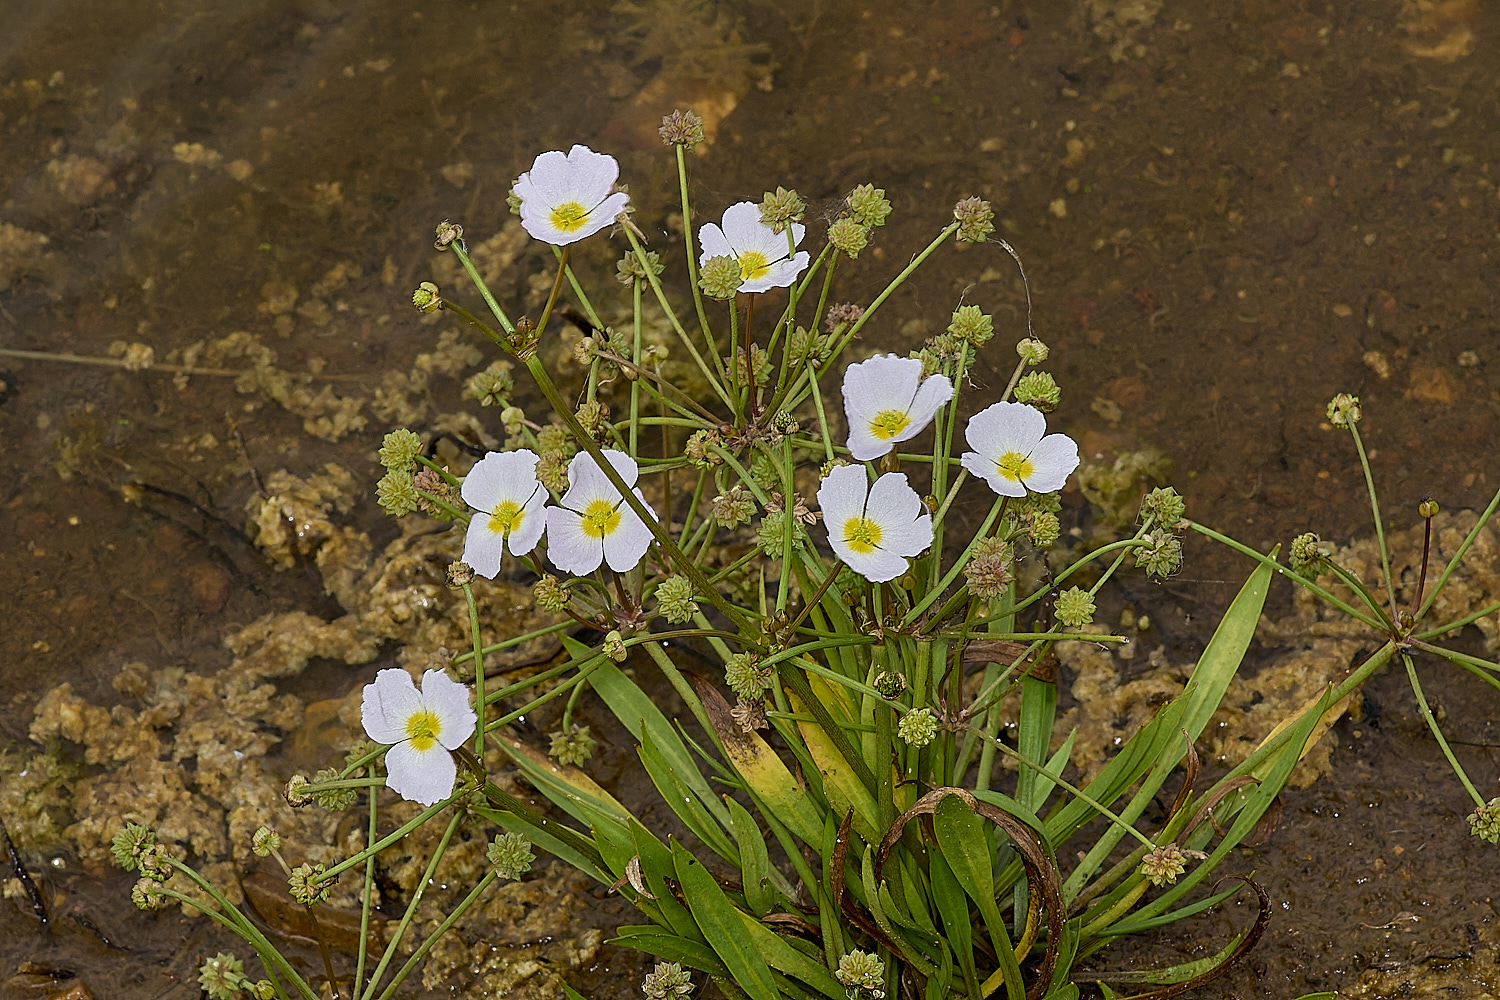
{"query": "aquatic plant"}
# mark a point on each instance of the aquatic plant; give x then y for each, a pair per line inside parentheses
(857, 824)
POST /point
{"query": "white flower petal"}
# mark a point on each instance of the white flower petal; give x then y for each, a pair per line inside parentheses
(422, 777)
(878, 565)
(934, 391)
(546, 180)
(984, 467)
(483, 548)
(909, 538)
(388, 702)
(525, 535)
(591, 175)
(874, 386)
(743, 228)
(780, 274)
(568, 547)
(447, 699)
(1003, 427)
(624, 547)
(892, 501)
(842, 494)
(1053, 461)
(711, 240)
(500, 476)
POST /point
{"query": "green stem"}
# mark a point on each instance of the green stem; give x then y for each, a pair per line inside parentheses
(411, 907)
(1432, 724)
(1385, 552)
(692, 263)
(366, 900)
(457, 246)
(436, 935)
(666, 307)
(391, 838)
(1462, 550)
(478, 670)
(669, 548)
(1296, 578)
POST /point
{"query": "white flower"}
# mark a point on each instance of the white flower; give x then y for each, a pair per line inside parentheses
(502, 486)
(760, 252)
(887, 400)
(874, 533)
(565, 198)
(421, 727)
(593, 523)
(1011, 454)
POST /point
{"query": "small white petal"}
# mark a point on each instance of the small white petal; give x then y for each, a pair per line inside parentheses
(1003, 427)
(780, 275)
(934, 391)
(568, 547)
(1053, 461)
(483, 548)
(711, 239)
(388, 702)
(892, 500)
(624, 547)
(447, 699)
(984, 467)
(743, 228)
(591, 174)
(525, 535)
(500, 476)
(842, 494)
(909, 538)
(422, 777)
(878, 565)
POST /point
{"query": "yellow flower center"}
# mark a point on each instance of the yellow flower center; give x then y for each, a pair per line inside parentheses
(753, 264)
(569, 216)
(888, 423)
(506, 518)
(861, 534)
(600, 518)
(1015, 466)
(422, 730)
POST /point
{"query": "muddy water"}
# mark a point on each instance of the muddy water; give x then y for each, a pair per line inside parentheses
(1226, 216)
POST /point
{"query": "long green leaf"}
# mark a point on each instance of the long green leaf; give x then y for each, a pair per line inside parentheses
(722, 926)
(640, 716)
(670, 948)
(953, 907)
(964, 841)
(784, 958)
(755, 861)
(686, 803)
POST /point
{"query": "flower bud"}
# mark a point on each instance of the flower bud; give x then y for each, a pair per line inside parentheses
(720, 277)
(400, 449)
(550, 595)
(614, 646)
(146, 894)
(222, 976)
(1162, 556)
(868, 205)
(860, 970)
(510, 854)
(628, 268)
(1484, 821)
(674, 597)
(306, 886)
(446, 233)
(1163, 864)
(746, 677)
(668, 981)
(513, 420)
(975, 220)
(128, 844)
(396, 493)
(427, 298)
(1428, 508)
(1039, 390)
(493, 386)
(848, 236)
(1164, 506)
(296, 790)
(265, 840)
(681, 128)
(781, 208)
(971, 325)
(1074, 607)
(1343, 410)
(333, 799)
(573, 745)
(891, 684)
(1307, 554)
(918, 727)
(1033, 352)
(988, 570)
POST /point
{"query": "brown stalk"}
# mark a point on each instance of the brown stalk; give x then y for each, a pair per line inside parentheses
(1251, 939)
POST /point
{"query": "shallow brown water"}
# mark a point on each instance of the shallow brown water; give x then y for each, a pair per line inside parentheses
(1226, 216)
